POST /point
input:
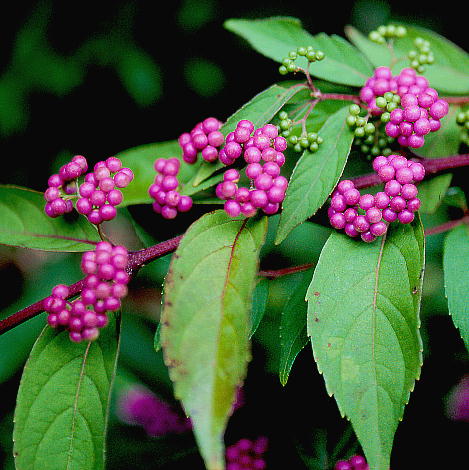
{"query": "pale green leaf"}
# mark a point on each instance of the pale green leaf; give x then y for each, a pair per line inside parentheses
(206, 321)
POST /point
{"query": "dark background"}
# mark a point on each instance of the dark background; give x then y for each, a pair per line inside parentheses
(97, 78)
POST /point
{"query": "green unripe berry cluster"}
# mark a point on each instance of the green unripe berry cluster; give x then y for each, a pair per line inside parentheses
(371, 146)
(421, 56)
(310, 141)
(285, 124)
(389, 102)
(382, 33)
(288, 63)
(462, 119)
(360, 124)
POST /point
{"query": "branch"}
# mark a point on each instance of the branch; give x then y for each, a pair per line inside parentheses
(431, 165)
(447, 226)
(138, 259)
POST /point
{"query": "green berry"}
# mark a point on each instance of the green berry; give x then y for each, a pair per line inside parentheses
(283, 115)
(396, 99)
(412, 54)
(301, 51)
(311, 56)
(286, 62)
(314, 147)
(320, 55)
(319, 140)
(388, 96)
(381, 102)
(282, 70)
(365, 149)
(285, 133)
(304, 142)
(369, 139)
(361, 121)
(293, 55)
(391, 106)
(401, 31)
(297, 148)
(293, 139)
(359, 132)
(386, 152)
(351, 120)
(385, 117)
(369, 128)
(382, 30)
(375, 150)
(354, 109)
(292, 68)
(391, 30)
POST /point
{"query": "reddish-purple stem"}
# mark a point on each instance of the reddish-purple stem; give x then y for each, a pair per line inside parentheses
(138, 259)
(275, 273)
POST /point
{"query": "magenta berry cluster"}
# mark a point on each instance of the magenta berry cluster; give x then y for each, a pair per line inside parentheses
(103, 288)
(368, 215)
(100, 191)
(356, 462)
(262, 150)
(204, 138)
(420, 107)
(62, 185)
(247, 454)
(167, 200)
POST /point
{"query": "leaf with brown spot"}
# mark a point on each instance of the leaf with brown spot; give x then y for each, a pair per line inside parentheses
(206, 343)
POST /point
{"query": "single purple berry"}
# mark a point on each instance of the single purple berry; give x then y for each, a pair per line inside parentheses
(439, 109)
(350, 215)
(381, 200)
(343, 465)
(366, 201)
(184, 204)
(398, 204)
(259, 198)
(386, 173)
(345, 185)
(378, 229)
(389, 215)
(392, 188)
(373, 215)
(413, 205)
(405, 216)
(169, 212)
(338, 203)
(210, 154)
(338, 221)
(361, 224)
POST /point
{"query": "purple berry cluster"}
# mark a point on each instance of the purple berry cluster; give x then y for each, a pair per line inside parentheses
(368, 215)
(62, 185)
(139, 406)
(168, 201)
(204, 138)
(246, 454)
(103, 287)
(356, 462)
(420, 107)
(262, 150)
(99, 192)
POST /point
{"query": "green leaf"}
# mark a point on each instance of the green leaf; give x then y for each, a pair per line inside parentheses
(275, 37)
(63, 400)
(259, 110)
(259, 304)
(316, 174)
(24, 223)
(455, 197)
(432, 192)
(445, 141)
(363, 319)
(293, 337)
(449, 73)
(455, 262)
(140, 160)
(206, 323)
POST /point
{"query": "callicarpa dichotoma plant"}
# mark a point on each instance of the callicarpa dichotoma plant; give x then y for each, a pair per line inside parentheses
(394, 104)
